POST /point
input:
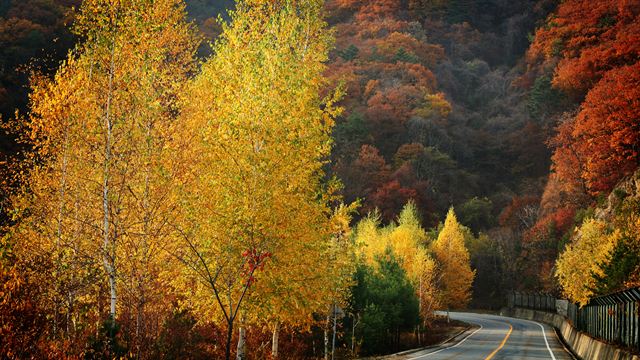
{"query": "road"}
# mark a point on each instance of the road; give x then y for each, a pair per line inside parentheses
(498, 337)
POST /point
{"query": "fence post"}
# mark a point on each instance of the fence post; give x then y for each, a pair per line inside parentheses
(612, 319)
(620, 322)
(627, 322)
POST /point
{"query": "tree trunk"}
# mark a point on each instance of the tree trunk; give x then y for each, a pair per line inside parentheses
(63, 185)
(353, 336)
(108, 241)
(227, 354)
(333, 339)
(114, 297)
(326, 338)
(274, 341)
(241, 354)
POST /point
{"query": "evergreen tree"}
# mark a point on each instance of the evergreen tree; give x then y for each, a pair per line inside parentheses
(386, 301)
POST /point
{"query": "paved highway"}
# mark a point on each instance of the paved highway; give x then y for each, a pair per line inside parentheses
(498, 337)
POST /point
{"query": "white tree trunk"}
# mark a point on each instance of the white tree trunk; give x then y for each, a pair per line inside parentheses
(274, 341)
(326, 338)
(241, 354)
(108, 241)
(114, 297)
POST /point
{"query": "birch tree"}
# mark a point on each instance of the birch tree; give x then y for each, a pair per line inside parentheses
(99, 129)
(257, 211)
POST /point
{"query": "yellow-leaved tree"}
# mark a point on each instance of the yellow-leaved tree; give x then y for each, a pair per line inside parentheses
(306, 278)
(98, 201)
(407, 240)
(584, 259)
(455, 274)
(369, 239)
(256, 226)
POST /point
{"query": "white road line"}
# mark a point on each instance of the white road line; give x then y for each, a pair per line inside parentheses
(545, 340)
(450, 347)
(544, 336)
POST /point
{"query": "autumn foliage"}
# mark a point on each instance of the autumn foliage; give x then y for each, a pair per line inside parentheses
(592, 50)
(438, 271)
(589, 51)
(385, 66)
(167, 197)
(118, 224)
(453, 258)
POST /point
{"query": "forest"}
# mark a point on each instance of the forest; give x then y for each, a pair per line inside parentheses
(275, 179)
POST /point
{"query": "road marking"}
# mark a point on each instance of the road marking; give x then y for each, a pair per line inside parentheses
(449, 347)
(545, 340)
(504, 341)
(544, 336)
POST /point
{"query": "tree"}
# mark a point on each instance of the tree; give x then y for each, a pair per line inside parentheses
(583, 260)
(621, 270)
(97, 200)
(35, 38)
(24, 331)
(521, 213)
(601, 143)
(605, 134)
(406, 241)
(476, 213)
(566, 183)
(456, 276)
(579, 37)
(386, 301)
(390, 197)
(543, 98)
(350, 53)
(599, 147)
(261, 134)
(296, 287)
(488, 261)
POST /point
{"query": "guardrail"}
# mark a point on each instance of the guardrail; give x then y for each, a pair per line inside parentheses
(542, 302)
(614, 318)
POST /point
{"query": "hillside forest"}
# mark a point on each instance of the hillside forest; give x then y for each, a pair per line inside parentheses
(275, 179)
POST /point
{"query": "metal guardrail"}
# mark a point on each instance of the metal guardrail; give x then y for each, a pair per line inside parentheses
(614, 318)
(542, 302)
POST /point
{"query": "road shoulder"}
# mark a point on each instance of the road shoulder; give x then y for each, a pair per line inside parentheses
(457, 335)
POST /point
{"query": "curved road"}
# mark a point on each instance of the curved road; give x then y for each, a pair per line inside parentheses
(498, 337)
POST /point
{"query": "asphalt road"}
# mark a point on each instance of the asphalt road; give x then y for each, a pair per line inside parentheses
(498, 337)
